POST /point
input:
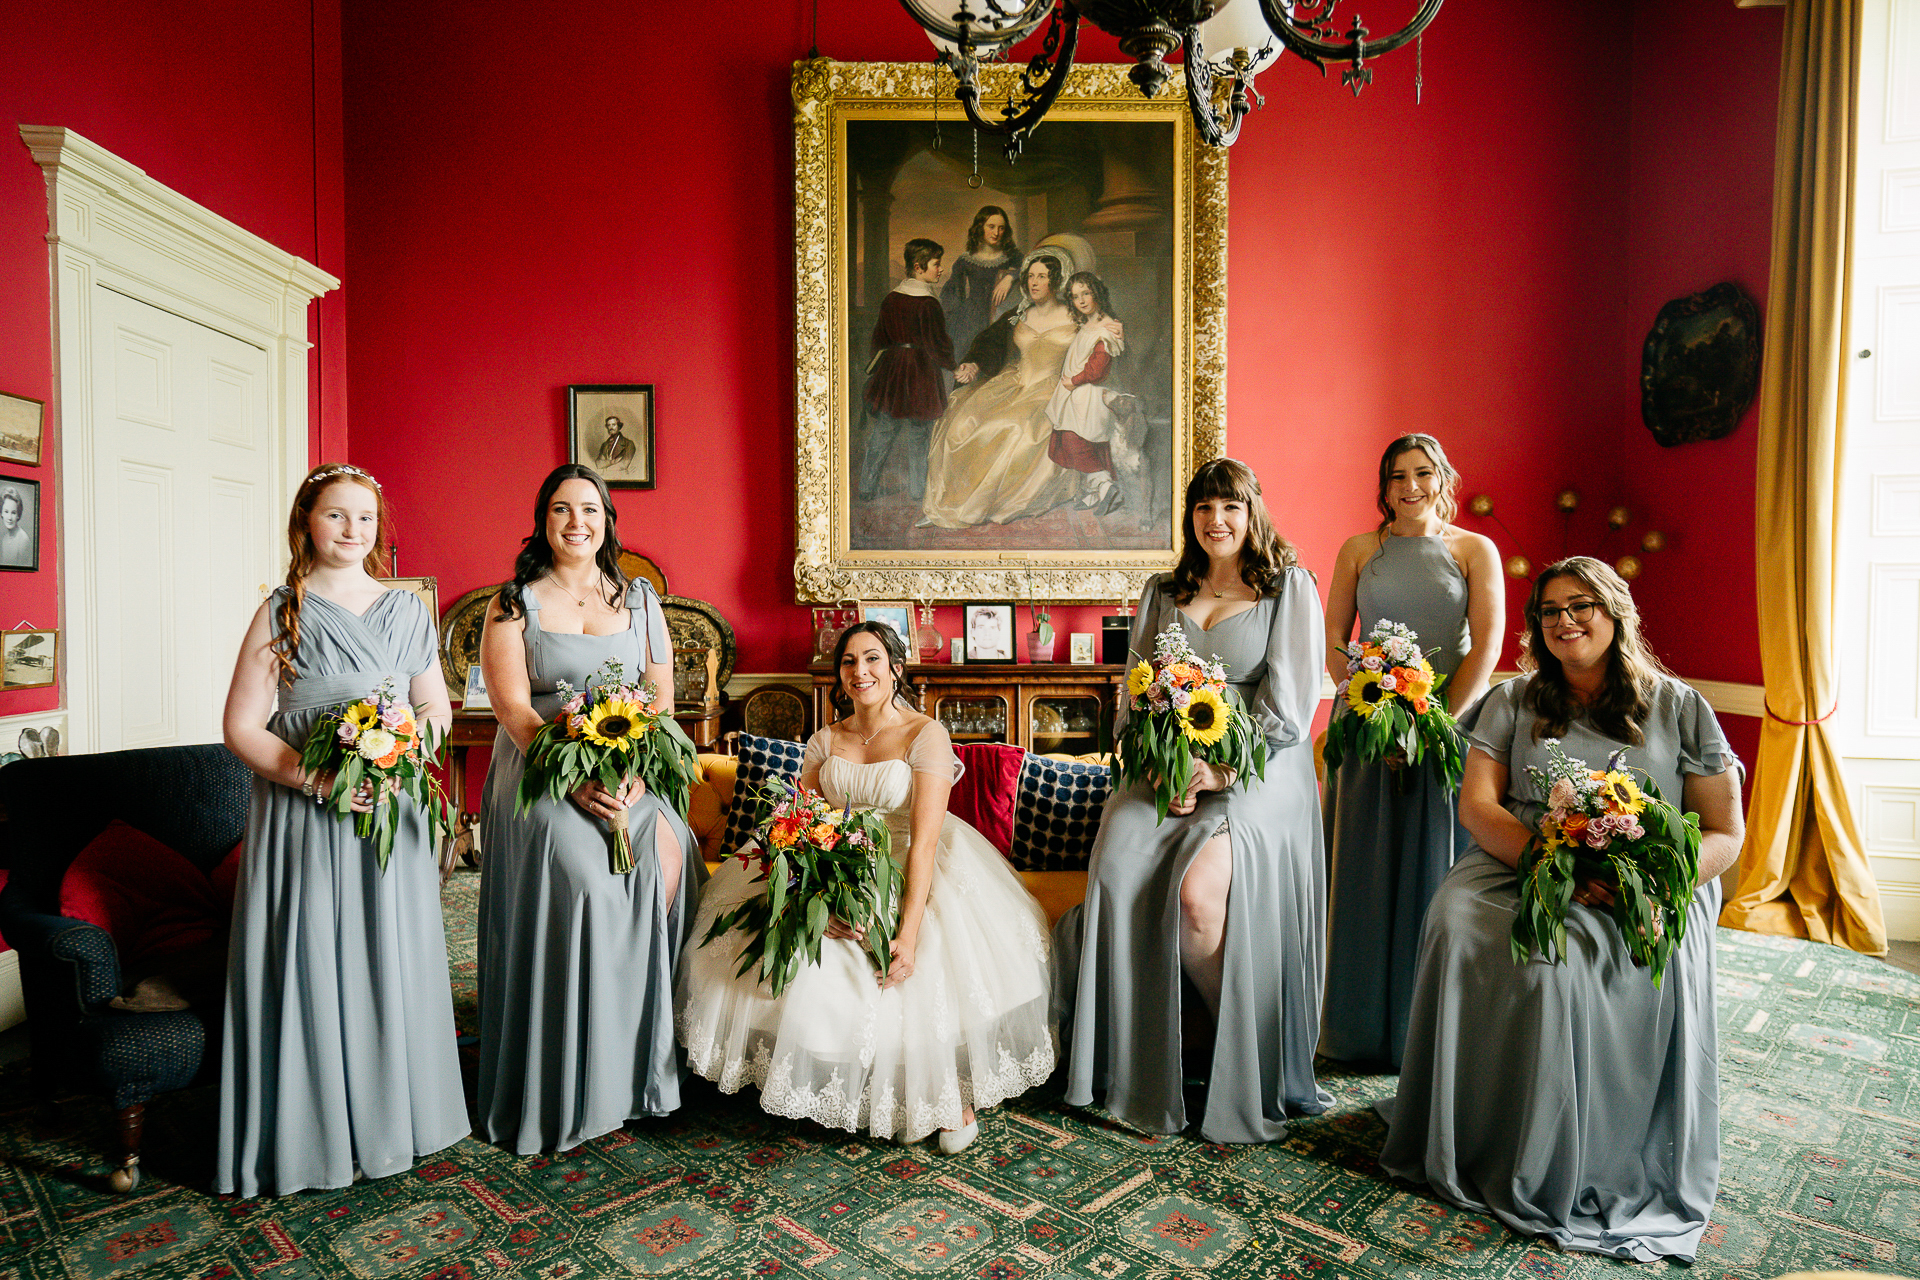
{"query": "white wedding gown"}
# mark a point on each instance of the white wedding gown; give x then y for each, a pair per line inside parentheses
(973, 1026)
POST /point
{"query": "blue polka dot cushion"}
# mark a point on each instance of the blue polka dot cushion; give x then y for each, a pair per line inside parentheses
(1057, 813)
(761, 760)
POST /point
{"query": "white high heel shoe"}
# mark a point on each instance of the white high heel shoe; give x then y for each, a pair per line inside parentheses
(954, 1141)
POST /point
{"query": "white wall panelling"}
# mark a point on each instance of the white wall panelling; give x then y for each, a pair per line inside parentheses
(181, 343)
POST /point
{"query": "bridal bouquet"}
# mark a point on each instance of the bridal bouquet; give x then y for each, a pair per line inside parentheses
(1601, 824)
(1180, 708)
(378, 740)
(1390, 687)
(819, 863)
(610, 733)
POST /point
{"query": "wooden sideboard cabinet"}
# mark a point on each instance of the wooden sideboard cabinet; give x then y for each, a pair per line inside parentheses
(1048, 707)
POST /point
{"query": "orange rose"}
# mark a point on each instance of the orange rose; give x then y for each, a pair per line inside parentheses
(1420, 706)
(1575, 827)
(390, 759)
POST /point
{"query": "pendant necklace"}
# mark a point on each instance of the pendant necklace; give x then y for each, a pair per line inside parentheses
(563, 591)
(870, 737)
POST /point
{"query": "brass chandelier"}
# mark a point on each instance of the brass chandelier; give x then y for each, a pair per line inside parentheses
(967, 31)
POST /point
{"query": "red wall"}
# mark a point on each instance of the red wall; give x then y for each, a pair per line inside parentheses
(1705, 94)
(1454, 267)
(237, 108)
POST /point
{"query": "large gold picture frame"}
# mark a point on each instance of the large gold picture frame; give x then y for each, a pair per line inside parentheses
(1125, 162)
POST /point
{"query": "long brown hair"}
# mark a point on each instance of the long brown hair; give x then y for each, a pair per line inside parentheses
(1265, 555)
(896, 651)
(1443, 472)
(300, 543)
(1633, 673)
(536, 553)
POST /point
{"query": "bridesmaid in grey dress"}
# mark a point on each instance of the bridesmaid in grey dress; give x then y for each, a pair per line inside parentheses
(1576, 1101)
(338, 1056)
(1231, 890)
(576, 963)
(1391, 833)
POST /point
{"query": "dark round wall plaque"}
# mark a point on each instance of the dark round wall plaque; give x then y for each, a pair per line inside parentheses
(1700, 366)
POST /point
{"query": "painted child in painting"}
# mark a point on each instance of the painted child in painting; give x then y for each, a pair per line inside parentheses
(905, 393)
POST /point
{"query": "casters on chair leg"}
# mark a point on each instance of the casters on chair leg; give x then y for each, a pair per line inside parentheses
(133, 1121)
(125, 1178)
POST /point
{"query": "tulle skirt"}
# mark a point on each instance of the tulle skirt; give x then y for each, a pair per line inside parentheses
(972, 1027)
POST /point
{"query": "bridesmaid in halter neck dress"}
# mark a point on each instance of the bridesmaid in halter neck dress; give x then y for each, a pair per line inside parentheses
(338, 1054)
(1392, 834)
(960, 1021)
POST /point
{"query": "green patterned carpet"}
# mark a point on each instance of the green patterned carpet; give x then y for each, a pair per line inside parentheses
(1820, 1069)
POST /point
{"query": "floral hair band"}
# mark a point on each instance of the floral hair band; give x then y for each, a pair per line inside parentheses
(343, 469)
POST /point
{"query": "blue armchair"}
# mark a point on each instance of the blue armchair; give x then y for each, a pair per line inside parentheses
(192, 799)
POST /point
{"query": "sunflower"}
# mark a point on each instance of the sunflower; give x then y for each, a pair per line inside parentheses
(1622, 792)
(614, 723)
(1205, 718)
(1139, 678)
(362, 716)
(1364, 693)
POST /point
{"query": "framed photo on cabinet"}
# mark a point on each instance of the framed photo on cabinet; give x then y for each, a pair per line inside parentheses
(610, 428)
(1005, 376)
(989, 628)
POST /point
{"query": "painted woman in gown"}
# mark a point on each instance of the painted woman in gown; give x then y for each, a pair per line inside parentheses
(1392, 833)
(988, 462)
(1230, 892)
(338, 1054)
(576, 963)
(1577, 1101)
(960, 1021)
(982, 278)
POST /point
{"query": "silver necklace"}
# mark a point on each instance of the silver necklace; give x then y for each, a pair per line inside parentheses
(870, 737)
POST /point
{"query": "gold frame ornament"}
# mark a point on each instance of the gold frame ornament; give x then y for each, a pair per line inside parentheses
(828, 566)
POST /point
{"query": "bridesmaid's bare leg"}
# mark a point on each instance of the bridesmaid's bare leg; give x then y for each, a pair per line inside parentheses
(1203, 917)
(671, 856)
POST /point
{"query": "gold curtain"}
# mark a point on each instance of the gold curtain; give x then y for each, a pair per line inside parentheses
(1804, 871)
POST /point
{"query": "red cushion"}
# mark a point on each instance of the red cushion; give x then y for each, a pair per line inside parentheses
(983, 798)
(152, 901)
(3, 884)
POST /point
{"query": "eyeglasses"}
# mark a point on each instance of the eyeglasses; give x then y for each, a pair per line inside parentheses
(1578, 611)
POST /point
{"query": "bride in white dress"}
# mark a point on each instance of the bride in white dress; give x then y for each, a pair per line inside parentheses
(961, 1020)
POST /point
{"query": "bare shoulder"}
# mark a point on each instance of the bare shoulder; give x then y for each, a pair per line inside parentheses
(1469, 547)
(914, 723)
(1356, 549)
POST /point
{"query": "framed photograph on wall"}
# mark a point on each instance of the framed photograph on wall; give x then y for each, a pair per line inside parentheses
(22, 421)
(897, 614)
(19, 524)
(28, 658)
(989, 628)
(610, 428)
(950, 462)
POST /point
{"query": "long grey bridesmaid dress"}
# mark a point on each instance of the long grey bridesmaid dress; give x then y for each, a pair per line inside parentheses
(1119, 975)
(576, 963)
(1391, 835)
(339, 1042)
(1572, 1101)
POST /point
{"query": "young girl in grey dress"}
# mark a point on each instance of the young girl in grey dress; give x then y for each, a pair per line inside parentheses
(576, 963)
(1231, 890)
(1573, 1101)
(1391, 831)
(338, 1056)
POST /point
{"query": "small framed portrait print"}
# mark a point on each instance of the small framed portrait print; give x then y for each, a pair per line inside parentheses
(476, 693)
(1081, 651)
(989, 631)
(27, 658)
(897, 614)
(19, 524)
(610, 428)
(21, 422)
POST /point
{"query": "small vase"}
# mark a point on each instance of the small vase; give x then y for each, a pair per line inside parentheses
(1038, 650)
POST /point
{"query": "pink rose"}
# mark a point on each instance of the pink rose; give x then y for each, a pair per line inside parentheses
(1372, 663)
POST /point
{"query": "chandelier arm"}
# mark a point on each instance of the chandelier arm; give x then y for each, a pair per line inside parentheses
(1017, 26)
(1320, 52)
(1040, 83)
(1200, 82)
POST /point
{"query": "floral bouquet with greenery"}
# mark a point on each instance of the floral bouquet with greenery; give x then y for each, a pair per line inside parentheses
(379, 740)
(610, 733)
(1601, 824)
(1397, 715)
(1180, 708)
(819, 863)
